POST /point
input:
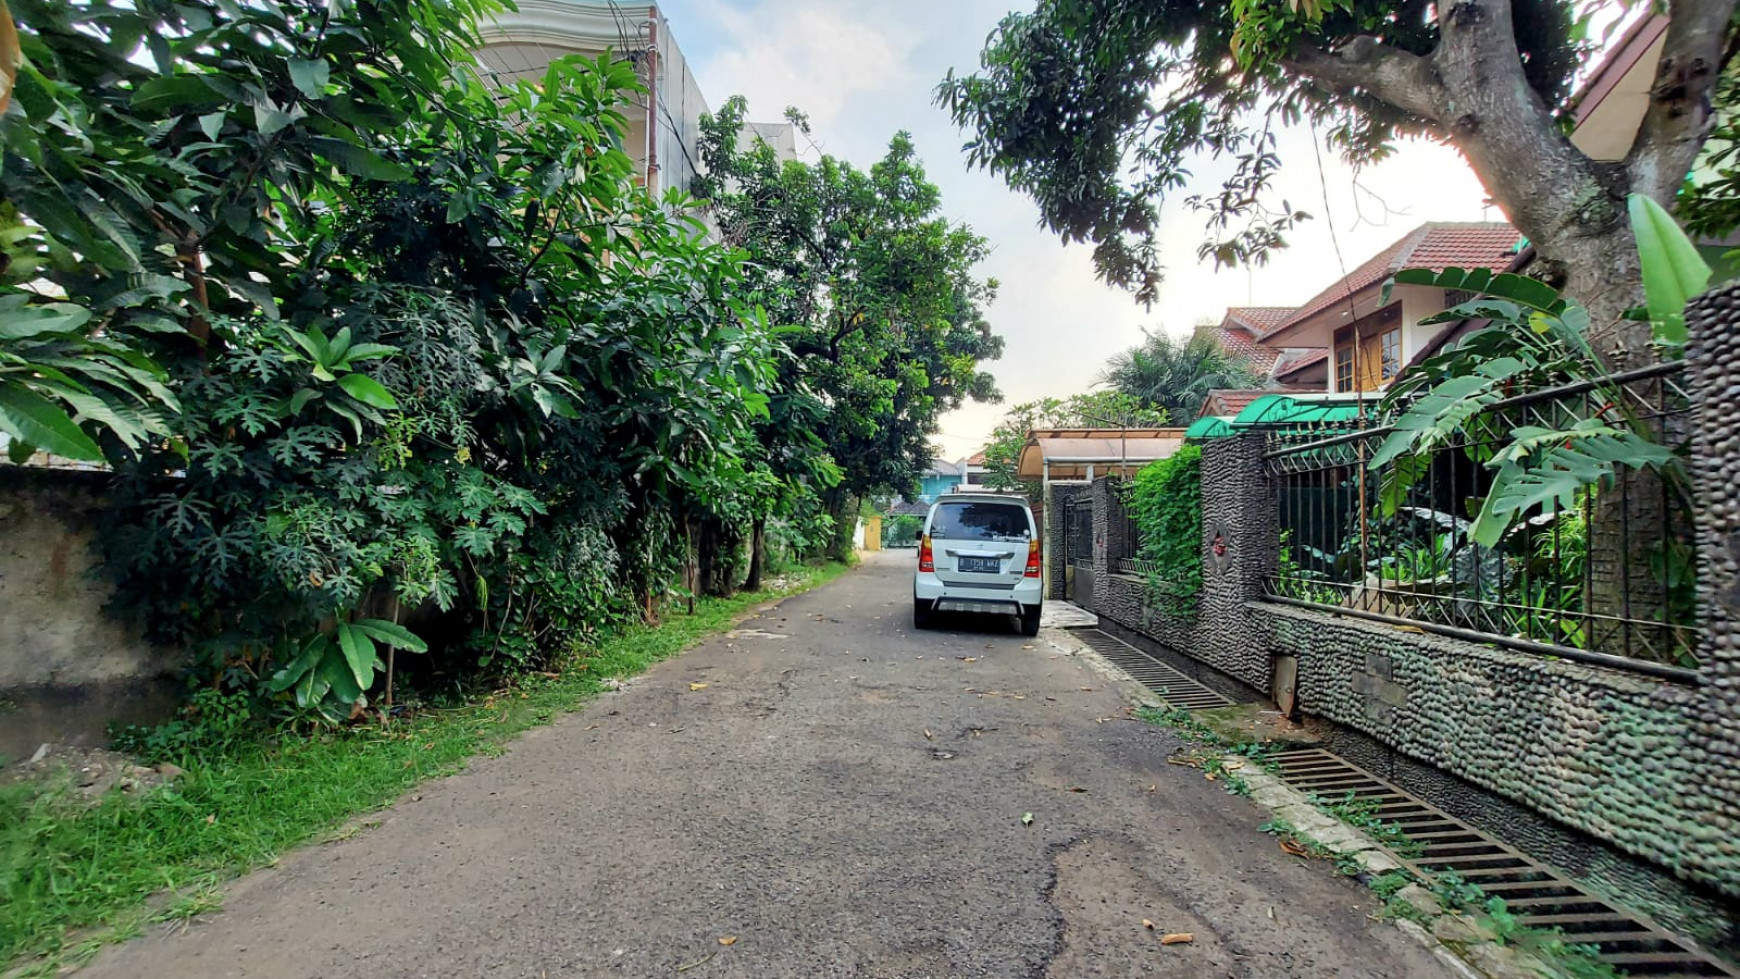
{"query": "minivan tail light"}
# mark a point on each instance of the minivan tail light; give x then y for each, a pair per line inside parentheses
(926, 562)
(1032, 559)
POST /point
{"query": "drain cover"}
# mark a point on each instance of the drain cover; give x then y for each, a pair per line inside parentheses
(1537, 894)
(1172, 686)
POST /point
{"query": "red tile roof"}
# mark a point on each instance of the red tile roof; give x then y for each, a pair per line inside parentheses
(977, 458)
(1257, 319)
(1231, 401)
(1239, 343)
(1436, 246)
(1300, 361)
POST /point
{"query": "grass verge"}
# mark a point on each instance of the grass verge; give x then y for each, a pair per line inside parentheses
(108, 870)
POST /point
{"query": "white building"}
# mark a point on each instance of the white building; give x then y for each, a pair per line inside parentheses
(664, 123)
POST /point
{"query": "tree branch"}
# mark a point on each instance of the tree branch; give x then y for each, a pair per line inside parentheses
(1552, 192)
(1674, 127)
(1406, 81)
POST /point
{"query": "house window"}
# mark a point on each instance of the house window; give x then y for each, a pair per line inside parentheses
(1369, 352)
(1343, 367)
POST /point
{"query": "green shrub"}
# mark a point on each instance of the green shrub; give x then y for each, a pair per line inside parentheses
(902, 530)
(1165, 501)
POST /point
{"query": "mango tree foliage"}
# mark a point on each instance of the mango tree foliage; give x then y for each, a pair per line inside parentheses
(879, 293)
(438, 359)
(1103, 109)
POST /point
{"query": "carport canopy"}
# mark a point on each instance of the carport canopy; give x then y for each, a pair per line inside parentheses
(1074, 453)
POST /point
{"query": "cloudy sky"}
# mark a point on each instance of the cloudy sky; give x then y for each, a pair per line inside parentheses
(863, 71)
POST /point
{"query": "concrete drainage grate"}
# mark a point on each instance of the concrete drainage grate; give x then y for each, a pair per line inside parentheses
(1174, 687)
(1537, 894)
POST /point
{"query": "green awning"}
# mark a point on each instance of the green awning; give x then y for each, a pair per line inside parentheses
(1210, 427)
(1280, 409)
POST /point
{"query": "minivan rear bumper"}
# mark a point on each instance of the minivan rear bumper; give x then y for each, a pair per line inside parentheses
(1027, 592)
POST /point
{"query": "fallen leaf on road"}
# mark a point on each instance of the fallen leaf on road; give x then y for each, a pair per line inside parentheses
(1077, 788)
(1153, 788)
(1027, 819)
(929, 736)
(1018, 696)
(1027, 647)
(1178, 938)
(1087, 689)
(968, 659)
(1147, 924)
(1234, 765)
(728, 940)
(1052, 699)
(1290, 845)
(697, 686)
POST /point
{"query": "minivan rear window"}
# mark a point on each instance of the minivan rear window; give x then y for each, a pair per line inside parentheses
(979, 521)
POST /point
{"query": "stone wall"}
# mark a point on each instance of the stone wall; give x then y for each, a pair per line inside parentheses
(1239, 541)
(1713, 845)
(1602, 751)
(1600, 758)
(1057, 494)
(67, 667)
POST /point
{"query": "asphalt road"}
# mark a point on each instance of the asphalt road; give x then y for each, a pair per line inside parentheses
(843, 798)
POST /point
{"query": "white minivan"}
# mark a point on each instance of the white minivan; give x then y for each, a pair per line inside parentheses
(979, 552)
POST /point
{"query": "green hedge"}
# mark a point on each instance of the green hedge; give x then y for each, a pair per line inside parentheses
(1166, 502)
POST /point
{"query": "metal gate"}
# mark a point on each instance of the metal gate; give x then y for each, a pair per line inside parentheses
(1078, 551)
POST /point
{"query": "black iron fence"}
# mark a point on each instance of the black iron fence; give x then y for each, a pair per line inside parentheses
(1607, 574)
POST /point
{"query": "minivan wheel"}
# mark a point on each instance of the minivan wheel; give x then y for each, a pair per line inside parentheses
(921, 611)
(1030, 620)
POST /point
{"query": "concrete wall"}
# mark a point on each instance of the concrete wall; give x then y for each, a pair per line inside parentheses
(67, 667)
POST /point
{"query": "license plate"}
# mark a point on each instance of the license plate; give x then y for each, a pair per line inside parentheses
(985, 565)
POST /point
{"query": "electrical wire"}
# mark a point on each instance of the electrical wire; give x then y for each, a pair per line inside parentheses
(1341, 262)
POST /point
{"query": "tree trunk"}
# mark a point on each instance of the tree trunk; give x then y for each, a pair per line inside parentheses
(757, 553)
(841, 508)
(1601, 271)
(1641, 564)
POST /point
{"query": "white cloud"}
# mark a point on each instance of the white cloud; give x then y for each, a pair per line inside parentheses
(816, 56)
